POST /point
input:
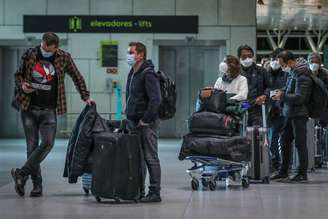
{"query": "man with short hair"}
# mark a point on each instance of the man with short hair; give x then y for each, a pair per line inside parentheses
(143, 97)
(295, 97)
(40, 95)
(257, 84)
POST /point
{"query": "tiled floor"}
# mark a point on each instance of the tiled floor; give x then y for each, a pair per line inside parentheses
(62, 200)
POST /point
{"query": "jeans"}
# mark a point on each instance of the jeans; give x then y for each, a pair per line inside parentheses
(294, 129)
(149, 142)
(274, 135)
(38, 123)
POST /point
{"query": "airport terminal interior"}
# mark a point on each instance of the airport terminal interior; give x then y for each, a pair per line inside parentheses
(188, 40)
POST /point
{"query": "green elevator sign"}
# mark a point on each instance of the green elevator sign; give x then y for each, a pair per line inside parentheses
(75, 24)
(109, 24)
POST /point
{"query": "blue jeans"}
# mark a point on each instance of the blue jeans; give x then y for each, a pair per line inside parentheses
(274, 136)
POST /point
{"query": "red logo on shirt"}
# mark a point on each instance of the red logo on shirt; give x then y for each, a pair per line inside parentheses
(43, 72)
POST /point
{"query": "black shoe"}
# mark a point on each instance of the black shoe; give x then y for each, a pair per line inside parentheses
(279, 177)
(151, 197)
(37, 190)
(20, 181)
(299, 178)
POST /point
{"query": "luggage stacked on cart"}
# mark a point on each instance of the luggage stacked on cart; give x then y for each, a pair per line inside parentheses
(215, 129)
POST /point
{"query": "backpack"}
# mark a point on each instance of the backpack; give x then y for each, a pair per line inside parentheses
(318, 99)
(167, 107)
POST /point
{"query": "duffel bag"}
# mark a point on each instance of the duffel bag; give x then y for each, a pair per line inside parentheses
(213, 123)
(236, 148)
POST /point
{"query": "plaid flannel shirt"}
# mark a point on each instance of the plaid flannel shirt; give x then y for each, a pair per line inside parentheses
(63, 63)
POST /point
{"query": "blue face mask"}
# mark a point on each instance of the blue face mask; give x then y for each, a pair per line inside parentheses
(130, 59)
(44, 53)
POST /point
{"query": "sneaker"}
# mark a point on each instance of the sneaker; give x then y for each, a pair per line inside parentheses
(279, 177)
(20, 181)
(151, 197)
(299, 178)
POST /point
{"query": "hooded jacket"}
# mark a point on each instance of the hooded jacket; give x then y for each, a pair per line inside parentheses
(143, 94)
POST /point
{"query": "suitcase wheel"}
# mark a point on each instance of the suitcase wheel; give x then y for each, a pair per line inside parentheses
(117, 200)
(204, 182)
(212, 185)
(98, 199)
(245, 182)
(194, 184)
(86, 191)
(266, 180)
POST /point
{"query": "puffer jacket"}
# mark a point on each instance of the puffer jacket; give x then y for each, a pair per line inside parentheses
(297, 92)
(257, 79)
(80, 145)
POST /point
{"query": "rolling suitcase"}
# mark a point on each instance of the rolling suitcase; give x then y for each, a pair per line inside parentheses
(118, 167)
(260, 163)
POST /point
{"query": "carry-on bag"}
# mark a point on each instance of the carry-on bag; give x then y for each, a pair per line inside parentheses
(260, 164)
(212, 100)
(118, 166)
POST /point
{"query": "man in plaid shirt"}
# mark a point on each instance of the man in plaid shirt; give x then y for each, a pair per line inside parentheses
(40, 95)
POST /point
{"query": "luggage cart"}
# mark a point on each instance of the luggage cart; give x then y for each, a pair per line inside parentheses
(210, 170)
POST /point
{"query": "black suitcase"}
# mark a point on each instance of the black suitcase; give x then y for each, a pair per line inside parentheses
(213, 123)
(235, 148)
(118, 164)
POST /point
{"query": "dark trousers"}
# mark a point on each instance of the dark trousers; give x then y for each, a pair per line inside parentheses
(294, 129)
(149, 141)
(274, 135)
(255, 116)
(43, 124)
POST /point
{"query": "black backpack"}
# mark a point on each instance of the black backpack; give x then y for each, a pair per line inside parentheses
(319, 98)
(167, 107)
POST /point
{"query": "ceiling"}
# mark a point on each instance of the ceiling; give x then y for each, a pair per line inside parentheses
(295, 15)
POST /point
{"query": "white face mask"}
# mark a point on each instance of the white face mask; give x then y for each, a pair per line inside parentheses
(44, 53)
(275, 65)
(314, 67)
(130, 59)
(246, 62)
(223, 67)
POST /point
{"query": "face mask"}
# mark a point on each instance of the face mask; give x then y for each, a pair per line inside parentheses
(286, 69)
(246, 62)
(275, 65)
(223, 67)
(44, 53)
(314, 67)
(130, 59)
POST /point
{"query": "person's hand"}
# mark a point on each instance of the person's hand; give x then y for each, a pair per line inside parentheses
(278, 95)
(260, 100)
(143, 124)
(27, 88)
(90, 101)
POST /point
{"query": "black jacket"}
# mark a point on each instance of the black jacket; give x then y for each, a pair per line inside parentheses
(297, 92)
(257, 79)
(80, 145)
(277, 80)
(323, 75)
(143, 94)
